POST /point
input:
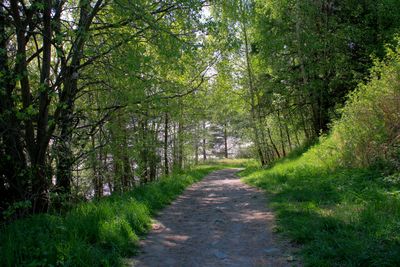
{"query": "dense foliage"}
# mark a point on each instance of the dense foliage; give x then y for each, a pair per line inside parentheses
(368, 132)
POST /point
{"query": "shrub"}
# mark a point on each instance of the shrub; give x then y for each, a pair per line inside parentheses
(369, 131)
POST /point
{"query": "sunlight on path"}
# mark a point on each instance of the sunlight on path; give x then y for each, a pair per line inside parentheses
(217, 222)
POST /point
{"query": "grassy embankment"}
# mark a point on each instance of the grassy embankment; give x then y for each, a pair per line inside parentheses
(340, 199)
(99, 233)
(341, 217)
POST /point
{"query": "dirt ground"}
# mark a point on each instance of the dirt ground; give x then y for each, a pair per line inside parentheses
(217, 222)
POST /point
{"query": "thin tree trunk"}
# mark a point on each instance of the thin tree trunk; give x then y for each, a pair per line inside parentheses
(288, 137)
(204, 142)
(166, 163)
(153, 153)
(180, 145)
(95, 167)
(281, 135)
(196, 145)
(273, 144)
(225, 141)
(101, 168)
(127, 174)
(144, 154)
(175, 148)
(282, 142)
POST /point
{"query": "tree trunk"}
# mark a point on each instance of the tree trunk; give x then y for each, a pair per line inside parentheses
(166, 125)
(13, 160)
(196, 144)
(101, 169)
(154, 161)
(286, 123)
(204, 142)
(144, 153)
(127, 174)
(64, 142)
(273, 144)
(96, 161)
(36, 148)
(281, 135)
(180, 145)
(225, 141)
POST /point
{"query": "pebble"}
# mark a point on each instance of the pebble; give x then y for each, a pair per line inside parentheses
(271, 250)
(220, 255)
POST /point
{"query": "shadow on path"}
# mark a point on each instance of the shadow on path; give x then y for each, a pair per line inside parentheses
(217, 222)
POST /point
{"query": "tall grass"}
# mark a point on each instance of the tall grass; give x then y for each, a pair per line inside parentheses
(99, 233)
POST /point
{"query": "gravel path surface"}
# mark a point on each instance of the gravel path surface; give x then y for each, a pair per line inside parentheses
(216, 222)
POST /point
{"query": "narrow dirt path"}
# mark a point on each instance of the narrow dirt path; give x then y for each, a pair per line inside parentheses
(217, 222)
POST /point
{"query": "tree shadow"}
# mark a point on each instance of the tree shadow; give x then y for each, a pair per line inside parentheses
(341, 218)
(219, 222)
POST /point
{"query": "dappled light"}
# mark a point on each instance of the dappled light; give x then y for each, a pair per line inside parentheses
(217, 222)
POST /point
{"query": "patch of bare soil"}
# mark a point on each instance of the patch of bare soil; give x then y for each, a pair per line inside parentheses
(217, 222)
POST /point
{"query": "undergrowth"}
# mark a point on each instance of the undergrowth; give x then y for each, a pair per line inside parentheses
(99, 233)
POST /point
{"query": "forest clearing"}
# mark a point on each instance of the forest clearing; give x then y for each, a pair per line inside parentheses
(199, 133)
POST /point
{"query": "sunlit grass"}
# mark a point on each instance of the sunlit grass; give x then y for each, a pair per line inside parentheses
(338, 216)
(99, 233)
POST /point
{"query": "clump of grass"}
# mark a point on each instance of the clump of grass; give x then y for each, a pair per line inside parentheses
(340, 216)
(99, 233)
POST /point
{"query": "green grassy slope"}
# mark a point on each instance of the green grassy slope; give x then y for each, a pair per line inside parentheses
(340, 217)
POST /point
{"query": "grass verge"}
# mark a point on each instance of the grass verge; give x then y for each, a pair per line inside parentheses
(340, 217)
(99, 233)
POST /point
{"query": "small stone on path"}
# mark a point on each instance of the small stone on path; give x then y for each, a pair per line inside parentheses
(220, 255)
